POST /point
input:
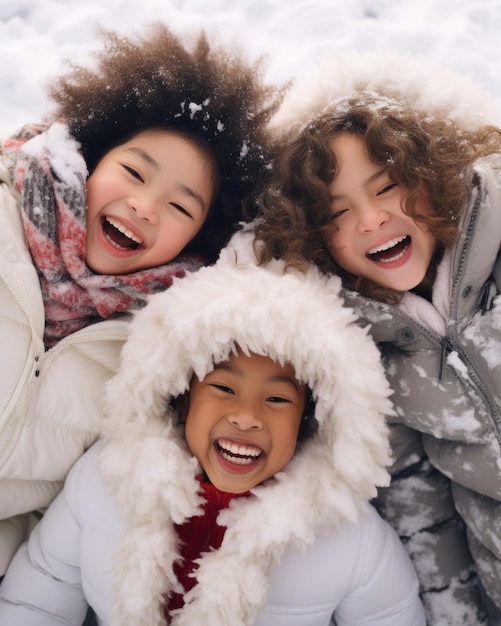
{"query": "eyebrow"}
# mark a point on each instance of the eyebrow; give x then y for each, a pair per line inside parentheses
(279, 378)
(145, 156)
(155, 165)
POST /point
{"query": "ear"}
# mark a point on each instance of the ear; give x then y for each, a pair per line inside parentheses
(183, 406)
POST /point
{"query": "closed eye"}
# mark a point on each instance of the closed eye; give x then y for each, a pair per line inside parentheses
(181, 209)
(133, 172)
(277, 399)
(386, 188)
(337, 214)
(222, 388)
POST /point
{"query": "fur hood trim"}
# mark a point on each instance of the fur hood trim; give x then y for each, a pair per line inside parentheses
(198, 321)
(413, 80)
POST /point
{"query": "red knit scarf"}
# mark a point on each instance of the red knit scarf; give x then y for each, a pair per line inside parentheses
(198, 535)
(49, 173)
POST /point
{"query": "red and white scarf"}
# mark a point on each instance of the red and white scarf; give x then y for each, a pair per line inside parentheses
(48, 171)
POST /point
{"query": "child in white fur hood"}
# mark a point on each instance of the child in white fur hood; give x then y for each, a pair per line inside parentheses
(275, 531)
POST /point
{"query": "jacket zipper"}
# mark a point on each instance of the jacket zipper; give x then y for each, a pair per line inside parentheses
(445, 350)
(448, 343)
(9, 427)
(448, 346)
(41, 360)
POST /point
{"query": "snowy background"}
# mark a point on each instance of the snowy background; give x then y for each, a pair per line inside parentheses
(36, 36)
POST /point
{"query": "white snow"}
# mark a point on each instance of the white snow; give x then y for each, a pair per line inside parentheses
(36, 37)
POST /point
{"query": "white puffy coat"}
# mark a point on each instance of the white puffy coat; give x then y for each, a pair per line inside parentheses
(357, 573)
(50, 402)
(306, 549)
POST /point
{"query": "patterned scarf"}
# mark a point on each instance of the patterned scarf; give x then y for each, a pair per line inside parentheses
(49, 173)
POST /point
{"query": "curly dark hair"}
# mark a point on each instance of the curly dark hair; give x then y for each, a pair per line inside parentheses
(210, 93)
(430, 157)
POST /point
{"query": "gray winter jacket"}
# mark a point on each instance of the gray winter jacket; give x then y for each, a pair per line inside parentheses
(447, 381)
(454, 406)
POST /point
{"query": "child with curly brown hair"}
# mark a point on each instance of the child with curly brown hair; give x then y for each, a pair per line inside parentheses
(135, 177)
(392, 183)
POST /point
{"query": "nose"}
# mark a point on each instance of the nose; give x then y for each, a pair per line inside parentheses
(246, 418)
(145, 208)
(371, 218)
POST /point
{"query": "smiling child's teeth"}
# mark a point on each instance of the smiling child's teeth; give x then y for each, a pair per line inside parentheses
(238, 460)
(234, 448)
(125, 231)
(386, 246)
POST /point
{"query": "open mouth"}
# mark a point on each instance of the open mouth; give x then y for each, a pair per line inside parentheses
(238, 454)
(391, 250)
(119, 236)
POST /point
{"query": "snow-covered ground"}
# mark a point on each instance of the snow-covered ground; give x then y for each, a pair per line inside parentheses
(36, 36)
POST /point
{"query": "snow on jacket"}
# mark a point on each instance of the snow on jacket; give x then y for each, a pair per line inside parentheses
(455, 378)
(49, 400)
(447, 381)
(306, 549)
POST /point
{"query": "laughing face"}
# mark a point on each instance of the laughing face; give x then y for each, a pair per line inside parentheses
(371, 236)
(242, 420)
(146, 200)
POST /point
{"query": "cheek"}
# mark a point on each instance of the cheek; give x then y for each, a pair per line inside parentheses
(337, 247)
(192, 230)
(170, 242)
(102, 186)
(288, 452)
(195, 436)
(288, 438)
(95, 195)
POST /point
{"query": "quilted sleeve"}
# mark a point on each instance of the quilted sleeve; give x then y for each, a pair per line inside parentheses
(418, 504)
(42, 586)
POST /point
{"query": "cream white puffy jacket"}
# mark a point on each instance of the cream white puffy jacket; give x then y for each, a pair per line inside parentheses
(50, 402)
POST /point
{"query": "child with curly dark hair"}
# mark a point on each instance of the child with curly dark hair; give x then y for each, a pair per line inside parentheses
(135, 177)
(399, 194)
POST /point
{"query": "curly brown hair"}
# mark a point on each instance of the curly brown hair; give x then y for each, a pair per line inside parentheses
(210, 93)
(430, 157)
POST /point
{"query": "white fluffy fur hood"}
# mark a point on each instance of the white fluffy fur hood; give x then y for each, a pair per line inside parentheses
(414, 80)
(198, 321)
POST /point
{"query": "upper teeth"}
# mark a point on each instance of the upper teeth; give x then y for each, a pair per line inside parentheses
(389, 244)
(235, 448)
(125, 231)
